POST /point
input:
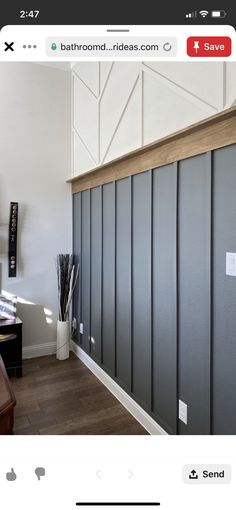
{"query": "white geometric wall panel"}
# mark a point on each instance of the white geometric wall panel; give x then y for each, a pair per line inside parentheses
(120, 106)
(168, 115)
(230, 84)
(86, 118)
(127, 135)
(115, 99)
(89, 74)
(105, 68)
(80, 157)
(189, 76)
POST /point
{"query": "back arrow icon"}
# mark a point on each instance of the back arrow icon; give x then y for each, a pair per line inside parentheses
(98, 474)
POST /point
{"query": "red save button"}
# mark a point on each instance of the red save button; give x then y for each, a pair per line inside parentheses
(209, 46)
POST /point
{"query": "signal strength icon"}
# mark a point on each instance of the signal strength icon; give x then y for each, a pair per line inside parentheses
(191, 15)
(203, 14)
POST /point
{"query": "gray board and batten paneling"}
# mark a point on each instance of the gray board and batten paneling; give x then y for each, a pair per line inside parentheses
(194, 287)
(224, 292)
(141, 288)
(95, 274)
(124, 275)
(123, 282)
(77, 217)
(108, 275)
(85, 269)
(154, 298)
(164, 303)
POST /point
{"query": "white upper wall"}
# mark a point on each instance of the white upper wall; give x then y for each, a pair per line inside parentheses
(34, 165)
(118, 107)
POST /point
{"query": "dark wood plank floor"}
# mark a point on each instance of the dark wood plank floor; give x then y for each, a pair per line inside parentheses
(64, 397)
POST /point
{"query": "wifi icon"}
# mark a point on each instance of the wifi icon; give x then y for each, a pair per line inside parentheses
(203, 13)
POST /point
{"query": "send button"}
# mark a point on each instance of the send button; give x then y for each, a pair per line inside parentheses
(207, 474)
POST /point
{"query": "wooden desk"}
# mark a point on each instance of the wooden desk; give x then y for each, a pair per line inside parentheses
(11, 349)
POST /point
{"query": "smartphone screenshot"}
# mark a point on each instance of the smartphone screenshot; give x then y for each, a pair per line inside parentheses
(118, 258)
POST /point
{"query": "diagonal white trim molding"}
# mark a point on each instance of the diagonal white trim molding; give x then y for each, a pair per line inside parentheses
(120, 119)
(178, 89)
(76, 132)
(106, 82)
(75, 74)
(137, 412)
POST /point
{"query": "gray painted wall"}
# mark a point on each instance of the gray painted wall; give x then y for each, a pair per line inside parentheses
(141, 288)
(224, 292)
(157, 308)
(96, 280)
(164, 304)
(194, 318)
(124, 282)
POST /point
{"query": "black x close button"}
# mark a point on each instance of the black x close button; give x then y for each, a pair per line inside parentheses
(9, 46)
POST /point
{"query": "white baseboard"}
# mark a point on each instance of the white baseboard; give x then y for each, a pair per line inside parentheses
(139, 414)
(35, 351)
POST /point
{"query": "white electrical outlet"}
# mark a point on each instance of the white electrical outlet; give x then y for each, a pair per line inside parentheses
(81, 328)
(183, 412)
(230, 264)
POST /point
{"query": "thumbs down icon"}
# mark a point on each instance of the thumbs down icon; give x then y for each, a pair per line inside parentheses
(40, 471)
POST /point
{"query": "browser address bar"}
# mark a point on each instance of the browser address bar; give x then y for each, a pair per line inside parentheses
(115, 47)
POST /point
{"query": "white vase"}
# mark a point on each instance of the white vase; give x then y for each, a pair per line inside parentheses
(63, 340)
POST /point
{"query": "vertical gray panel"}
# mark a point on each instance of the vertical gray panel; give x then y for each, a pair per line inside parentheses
(194, 292)
(164, 296)
(96, 261)
(85, 276)
(77, 257)
(142, 365)
(108, 292)
(224, 292)
(123, 282)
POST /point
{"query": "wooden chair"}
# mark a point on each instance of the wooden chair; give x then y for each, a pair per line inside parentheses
(7, 402)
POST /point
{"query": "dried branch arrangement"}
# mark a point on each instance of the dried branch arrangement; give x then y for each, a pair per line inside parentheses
(67, 274)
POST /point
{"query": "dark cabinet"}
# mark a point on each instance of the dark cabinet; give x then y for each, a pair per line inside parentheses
(11, 344)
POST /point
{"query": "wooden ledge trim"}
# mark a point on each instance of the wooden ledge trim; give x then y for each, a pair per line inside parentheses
(212, 133)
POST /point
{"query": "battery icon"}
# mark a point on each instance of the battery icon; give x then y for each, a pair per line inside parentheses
(218, 14)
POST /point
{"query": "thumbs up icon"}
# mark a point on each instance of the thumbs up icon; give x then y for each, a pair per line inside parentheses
(11, 475)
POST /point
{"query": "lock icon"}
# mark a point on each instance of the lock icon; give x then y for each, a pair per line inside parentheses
(53, 46)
